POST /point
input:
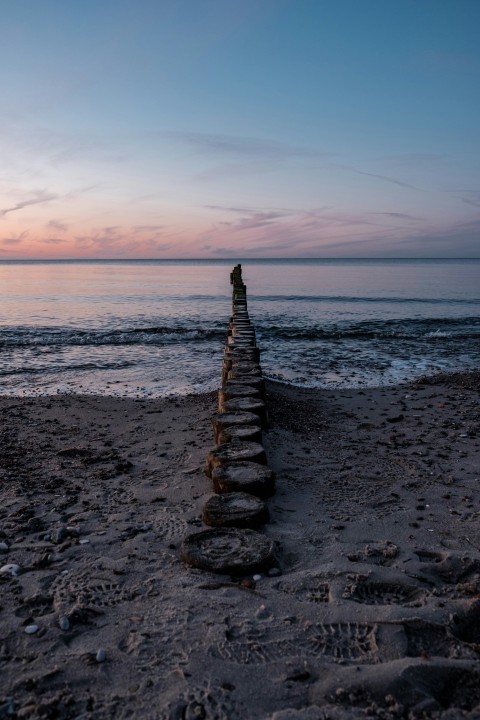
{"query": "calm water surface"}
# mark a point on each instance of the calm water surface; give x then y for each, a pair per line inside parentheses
(152, 328)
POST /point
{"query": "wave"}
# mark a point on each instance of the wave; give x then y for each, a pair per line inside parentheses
(283, 330)
(364, 299)
(55, 369)
(55, 336)
(413, 329)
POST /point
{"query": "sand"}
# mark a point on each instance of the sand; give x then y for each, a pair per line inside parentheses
(376, 612)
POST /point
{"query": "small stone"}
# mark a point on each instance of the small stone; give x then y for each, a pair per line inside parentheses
(101, 655)
(257, 577)
(263, 613)
(64, 623)
(31, 629)
(246, 582)
(59, 535)
(3, 547)
(10, 569)
(274, 572)
(84, 541)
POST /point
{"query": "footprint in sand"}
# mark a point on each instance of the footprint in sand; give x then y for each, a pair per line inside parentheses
(384, 593)
(247, 644)
(314, 588)
(205, 703)
(378, 553)
(81, 589)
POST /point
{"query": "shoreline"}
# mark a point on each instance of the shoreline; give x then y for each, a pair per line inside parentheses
(375, 521)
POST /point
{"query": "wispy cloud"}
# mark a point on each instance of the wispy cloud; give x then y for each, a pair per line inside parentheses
(417, 161)
(53, 240)
(256, 220)
(244, 146)
(121, 241)
(78, 192)
(15, 239)
(232, 156)
(226, 208)
(148, 228)
(263, 232)
(385, 178)
(398, 216)
(250, 210)
(39, 197)
(469, 197)
(56, 148)
(328, 232)
(57, 226)
(453, 240)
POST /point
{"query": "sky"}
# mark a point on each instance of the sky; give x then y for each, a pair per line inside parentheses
(239, 128)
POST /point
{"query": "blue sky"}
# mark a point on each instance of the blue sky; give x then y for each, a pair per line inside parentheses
(214, 128)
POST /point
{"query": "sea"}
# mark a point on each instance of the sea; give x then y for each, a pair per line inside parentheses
(154, 328)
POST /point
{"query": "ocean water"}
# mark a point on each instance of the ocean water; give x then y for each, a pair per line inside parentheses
(156, 328)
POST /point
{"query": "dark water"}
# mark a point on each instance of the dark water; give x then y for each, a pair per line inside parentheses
(150, 328)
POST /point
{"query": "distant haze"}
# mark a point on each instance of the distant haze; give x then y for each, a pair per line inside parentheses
(239, 128)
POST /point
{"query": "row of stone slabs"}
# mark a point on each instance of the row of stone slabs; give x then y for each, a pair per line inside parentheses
(237, 465)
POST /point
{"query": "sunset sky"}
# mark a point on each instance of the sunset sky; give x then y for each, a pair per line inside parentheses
(239, 128)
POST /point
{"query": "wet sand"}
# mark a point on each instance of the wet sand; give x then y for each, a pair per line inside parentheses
(377, 533)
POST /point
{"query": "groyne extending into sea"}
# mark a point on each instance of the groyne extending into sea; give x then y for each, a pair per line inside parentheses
(238, 464)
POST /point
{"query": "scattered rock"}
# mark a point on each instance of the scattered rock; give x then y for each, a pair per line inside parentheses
(64, 623)
(31, 629)
(10, 569)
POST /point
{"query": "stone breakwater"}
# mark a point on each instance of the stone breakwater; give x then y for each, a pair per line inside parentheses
(237, 465)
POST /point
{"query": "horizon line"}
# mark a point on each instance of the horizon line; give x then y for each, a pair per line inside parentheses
(237, 258)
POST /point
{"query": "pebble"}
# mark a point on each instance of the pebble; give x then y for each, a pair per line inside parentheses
(257, 578)
(101, 655)
(274, 572)
(246, 582)
(84, 541)
(31, 629)
(59, 535)
(263, 613)
(3, 547)
(64, 623)
(10, 569)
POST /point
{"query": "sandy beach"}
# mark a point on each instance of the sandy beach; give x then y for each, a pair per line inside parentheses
(376, 612)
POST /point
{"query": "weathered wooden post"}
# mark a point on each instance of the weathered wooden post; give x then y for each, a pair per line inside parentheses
(238, 464)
